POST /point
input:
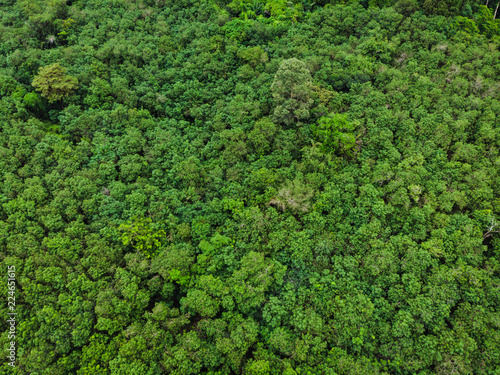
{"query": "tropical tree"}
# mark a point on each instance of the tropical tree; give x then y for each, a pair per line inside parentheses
(291, 89)
(54, 83)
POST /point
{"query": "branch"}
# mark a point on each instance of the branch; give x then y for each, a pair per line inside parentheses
(492, 225)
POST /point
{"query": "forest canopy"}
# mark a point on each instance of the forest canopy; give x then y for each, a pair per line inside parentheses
(250, 187)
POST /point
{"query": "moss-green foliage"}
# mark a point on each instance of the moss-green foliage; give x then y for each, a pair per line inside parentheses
(251, 187)
(53, 82)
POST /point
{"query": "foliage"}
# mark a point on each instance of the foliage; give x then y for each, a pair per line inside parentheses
(140, 234)
(54, 83)
(291, 90)
(334, 133)
(294, 195)
(226, 187)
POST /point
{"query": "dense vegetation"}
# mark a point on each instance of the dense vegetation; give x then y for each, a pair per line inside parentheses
(251, 187)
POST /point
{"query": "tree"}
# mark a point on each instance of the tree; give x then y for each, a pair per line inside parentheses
(254, 56)
(142, 236)
(294, 195)
(54, 83)
(292, 91)
(334, 132)
(262, 135)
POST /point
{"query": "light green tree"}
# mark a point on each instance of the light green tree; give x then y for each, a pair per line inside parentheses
(54, 83)
(291, 91)
(335, 133)
(142, 236)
